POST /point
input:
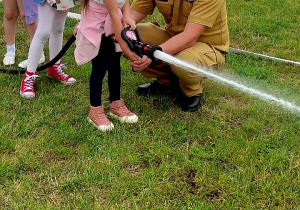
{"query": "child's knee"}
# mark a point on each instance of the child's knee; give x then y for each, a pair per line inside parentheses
(11, 15)
(42, 36)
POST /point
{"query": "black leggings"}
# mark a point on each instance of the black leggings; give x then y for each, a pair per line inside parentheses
(107, 59)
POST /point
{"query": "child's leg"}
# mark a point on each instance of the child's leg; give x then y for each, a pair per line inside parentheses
(99, 64)
(10, 17)
(32, 24)
(96, 115)
(42, 33)
(55, 46)
(114, 72)
(56, 36)
(46, 16)
(29, 14)
(117, 105)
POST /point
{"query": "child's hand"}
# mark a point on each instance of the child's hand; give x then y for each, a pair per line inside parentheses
(75, 29)
(141, 64)
(128, 21)
(131, 56)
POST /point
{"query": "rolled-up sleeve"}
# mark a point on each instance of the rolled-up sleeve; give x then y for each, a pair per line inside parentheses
(145, 7)
(205, 12)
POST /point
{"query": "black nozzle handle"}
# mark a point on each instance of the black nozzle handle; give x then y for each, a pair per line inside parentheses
(129, 40)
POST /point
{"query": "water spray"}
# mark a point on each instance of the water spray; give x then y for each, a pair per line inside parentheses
(155, 52)
(264, 96)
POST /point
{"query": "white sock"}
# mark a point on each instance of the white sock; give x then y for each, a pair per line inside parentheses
(11, 49)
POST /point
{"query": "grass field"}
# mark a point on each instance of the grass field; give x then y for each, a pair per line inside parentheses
(236, 152)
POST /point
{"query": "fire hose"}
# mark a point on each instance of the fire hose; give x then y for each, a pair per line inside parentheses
(156, 52)
(47, 65)
(140, 49)
(136, 46)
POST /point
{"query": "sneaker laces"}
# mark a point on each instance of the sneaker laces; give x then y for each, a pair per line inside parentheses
(100, 115)
(59, 70)
(99, 118)
(28, 82)
(123, 111)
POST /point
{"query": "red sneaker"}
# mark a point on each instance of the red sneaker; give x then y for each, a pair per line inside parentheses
(56, 72)
(27, 85)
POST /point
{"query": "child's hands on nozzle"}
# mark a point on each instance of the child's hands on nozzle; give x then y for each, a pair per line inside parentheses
(140, 64)
(131, 56)
(128, 21)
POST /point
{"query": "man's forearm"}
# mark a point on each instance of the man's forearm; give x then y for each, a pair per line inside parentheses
(183, 40)
(176, 44)
(137, 17)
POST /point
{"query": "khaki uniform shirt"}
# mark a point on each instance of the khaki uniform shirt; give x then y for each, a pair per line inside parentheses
(176, 13)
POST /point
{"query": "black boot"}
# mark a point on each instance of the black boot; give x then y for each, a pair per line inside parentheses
(153, 87)
(190, 104)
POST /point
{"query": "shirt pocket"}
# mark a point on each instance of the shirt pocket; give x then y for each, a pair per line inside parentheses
(165, 8)
(186, 7)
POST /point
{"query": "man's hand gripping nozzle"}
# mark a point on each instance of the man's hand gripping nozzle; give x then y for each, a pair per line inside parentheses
(138, 46)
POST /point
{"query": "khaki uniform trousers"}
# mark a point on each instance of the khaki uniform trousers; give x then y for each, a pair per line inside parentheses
(201, 54)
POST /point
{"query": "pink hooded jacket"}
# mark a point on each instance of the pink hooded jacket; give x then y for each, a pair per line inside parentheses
(94, 22)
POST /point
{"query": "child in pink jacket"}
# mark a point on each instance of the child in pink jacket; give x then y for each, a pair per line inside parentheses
(99, 20)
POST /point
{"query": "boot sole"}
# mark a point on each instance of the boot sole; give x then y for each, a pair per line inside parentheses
(110, 127)
(26, 97)
(124, 119)
(192, 109)
(65, 83)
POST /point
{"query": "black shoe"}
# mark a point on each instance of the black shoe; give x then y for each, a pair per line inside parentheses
(153, 87)
(190, 104)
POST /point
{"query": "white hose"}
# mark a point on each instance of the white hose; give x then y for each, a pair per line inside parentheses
(238, 51)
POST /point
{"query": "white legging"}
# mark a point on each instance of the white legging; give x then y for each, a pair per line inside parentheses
(51, 25)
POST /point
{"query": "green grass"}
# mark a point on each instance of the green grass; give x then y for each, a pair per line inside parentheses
(236, 152)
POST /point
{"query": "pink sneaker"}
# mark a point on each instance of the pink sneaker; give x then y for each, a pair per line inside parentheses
(98, 119)
(120, 111)
(56, 72)
(27, 85)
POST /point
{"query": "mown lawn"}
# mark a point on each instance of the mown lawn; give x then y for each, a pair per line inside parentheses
(236, 152)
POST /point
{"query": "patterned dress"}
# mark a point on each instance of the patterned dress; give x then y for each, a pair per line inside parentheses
(64, 4)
